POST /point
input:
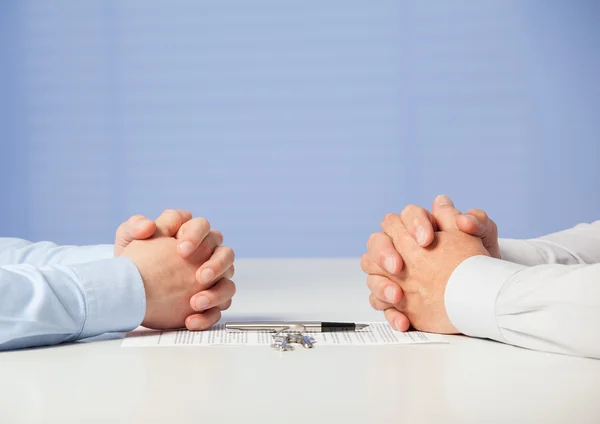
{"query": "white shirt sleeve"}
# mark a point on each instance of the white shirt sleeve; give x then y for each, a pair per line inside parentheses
(544, 296)
(578, 245)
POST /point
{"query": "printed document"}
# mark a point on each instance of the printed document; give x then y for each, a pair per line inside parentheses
(377, 333)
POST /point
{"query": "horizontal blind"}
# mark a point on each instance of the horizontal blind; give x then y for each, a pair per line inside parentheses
(295, 126)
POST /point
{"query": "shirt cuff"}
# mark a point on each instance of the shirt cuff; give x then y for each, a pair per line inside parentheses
(114, 296)
(471, 295)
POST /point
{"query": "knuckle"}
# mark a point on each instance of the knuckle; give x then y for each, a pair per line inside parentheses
(218, 236)
(388, 217)
(225, 305)
(212, 240)
(122, 228)
(364, 262)
(409, 210)
(372, 301)
(233, 288)
(229, 255)
(184, 214)
(372, 240)
(373, 281)
(480, 215)
(171, 213)
(494, 226)
(203, 223)
(390, 221)
(135, 218)
(170, 219)
(196, 228)
(369, 282)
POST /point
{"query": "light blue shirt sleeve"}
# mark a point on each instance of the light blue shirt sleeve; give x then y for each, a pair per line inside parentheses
(15, 251)
(50, 295)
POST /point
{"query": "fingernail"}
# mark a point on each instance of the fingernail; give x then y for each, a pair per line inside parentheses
(195, 323)
(443, 200)
(201, 303)
(390, 264)
(397, 325)
(472, 218)
(421, 235)
(390, 293)
(207, 275)
(186, 247)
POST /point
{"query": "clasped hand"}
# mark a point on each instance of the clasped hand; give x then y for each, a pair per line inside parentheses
(184, 267)
(187, 272)
(410, 262)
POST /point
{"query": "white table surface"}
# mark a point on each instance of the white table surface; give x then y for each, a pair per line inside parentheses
(466, 381)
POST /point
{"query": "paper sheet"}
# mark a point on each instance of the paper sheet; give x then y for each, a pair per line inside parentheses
(378, 333)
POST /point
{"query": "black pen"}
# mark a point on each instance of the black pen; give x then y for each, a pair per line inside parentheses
(308, 326)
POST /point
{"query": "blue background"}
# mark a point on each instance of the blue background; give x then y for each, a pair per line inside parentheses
(295, 126)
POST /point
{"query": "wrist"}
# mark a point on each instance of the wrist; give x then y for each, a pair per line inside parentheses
(471, 294)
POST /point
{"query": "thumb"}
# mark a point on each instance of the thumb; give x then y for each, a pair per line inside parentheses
(138, 227)
(477, 223)
(170, 221)
(445, 213)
